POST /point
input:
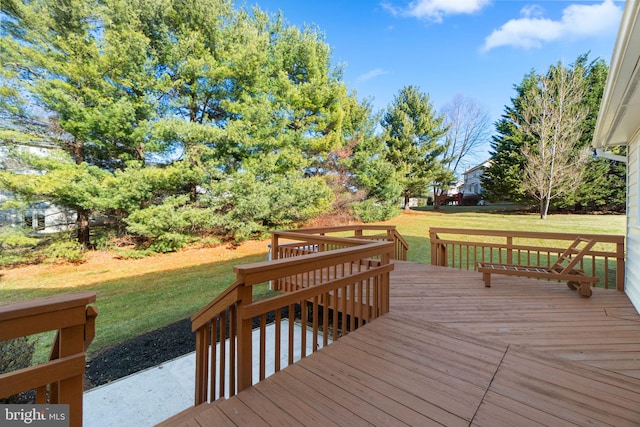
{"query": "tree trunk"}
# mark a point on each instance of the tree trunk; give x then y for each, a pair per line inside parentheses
(544, 207)
(436, 199)
(82, 224)
(82, 220)
(406, 200)
(193, 193)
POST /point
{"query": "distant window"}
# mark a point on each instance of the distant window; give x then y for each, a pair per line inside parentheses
(34, 220)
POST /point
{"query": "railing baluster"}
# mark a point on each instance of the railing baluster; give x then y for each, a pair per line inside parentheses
(223, 352)
(212, 337)
(292, 318)
(263, 346)
(325, 320)
(352, 306)
(336, 312)
(345, 310)
(303, 329)
(314, 324)
(360, 303)
(278, 335)
(41, 395)
(376, 299)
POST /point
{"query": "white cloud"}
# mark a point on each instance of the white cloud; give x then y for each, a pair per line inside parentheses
(531, 11)
(435, 10)
(578, 21)
(371, 75)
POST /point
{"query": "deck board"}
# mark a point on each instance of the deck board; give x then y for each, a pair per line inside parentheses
(542, 315)
(360, 385)
(271, 413)
(451, 352)
(365, 410)
(240, 414)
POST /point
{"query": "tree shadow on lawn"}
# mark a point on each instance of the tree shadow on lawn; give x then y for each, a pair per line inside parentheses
(499, 208)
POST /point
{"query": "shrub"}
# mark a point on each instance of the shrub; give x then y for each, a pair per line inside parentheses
(65, 250)
(209, 242)
(247, 207)
(169, 226)
(103, 239)
(14, 237)
(371, 210)
(15, 354)
(170, 242)
(133, 253)
(16, 247)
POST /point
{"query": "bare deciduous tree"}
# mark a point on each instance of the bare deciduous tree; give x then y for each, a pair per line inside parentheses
(552, 116)
(469, 127)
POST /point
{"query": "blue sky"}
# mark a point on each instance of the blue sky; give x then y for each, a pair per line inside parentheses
(478, 48)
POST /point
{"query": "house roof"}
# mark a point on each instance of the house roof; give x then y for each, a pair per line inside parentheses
(482, 165)
(619, 116)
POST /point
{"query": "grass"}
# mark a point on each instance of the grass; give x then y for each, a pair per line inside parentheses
(136, 296)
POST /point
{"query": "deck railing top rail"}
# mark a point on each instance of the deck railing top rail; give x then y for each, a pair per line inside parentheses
(321, 238)
(603, 238)
(35, 316)
(358, 230)
(251, 274)
(340, 228)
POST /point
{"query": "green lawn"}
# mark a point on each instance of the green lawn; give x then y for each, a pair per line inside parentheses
(133, 303)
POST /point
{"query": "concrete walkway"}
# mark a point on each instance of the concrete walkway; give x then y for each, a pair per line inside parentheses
(155, 394)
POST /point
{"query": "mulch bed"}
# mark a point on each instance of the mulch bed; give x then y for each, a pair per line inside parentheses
(142, 352)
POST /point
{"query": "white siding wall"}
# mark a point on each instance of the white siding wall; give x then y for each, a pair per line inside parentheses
(632, 273)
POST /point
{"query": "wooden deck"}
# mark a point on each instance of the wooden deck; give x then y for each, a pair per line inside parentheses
(452, 352)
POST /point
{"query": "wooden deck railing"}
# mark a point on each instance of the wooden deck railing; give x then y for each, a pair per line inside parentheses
(327, 293)
(358, 231)
(60, 380)
(464, 248)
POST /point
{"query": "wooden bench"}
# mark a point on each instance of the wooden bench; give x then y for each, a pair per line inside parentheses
(564, 269)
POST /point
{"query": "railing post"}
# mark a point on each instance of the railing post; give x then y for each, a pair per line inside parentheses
(620, 266)
(202, 364)
(70, 389)
(434, 247)
(438, 251)
(510, 250)
(245, 351)
(385, 285)
(275, 252)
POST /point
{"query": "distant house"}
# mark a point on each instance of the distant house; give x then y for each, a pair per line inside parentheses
(472, 179)
(41, 217)
(619, 124)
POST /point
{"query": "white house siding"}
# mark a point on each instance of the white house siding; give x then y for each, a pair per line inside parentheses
(632, 273)
(40, 218)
